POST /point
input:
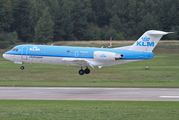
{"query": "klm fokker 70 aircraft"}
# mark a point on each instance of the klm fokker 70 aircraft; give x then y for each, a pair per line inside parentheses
(86, 56)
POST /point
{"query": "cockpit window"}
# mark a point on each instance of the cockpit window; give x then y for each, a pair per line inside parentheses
(15, 50)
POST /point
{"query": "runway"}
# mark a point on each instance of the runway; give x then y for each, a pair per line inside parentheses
(89, 93)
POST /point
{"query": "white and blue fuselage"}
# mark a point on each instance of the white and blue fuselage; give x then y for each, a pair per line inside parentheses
(86, 56)
(61, 54)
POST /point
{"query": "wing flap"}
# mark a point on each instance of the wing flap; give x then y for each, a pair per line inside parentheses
(83, 62)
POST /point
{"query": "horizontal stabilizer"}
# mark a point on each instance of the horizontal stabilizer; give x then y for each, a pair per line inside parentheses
(158, 33)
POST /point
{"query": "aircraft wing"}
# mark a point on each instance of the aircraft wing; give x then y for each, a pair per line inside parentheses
(124, 48)
(83, 62)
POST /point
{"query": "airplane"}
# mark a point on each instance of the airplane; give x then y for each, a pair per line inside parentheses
(86, 56)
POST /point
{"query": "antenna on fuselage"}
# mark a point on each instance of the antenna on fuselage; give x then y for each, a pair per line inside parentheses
(52, 44)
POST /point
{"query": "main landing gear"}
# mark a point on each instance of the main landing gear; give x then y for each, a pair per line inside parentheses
(86, 71)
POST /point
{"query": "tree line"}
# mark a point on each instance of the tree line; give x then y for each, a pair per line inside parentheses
(43, 21)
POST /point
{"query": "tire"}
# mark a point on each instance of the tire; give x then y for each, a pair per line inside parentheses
(81, 72)
(22, 67)
(87, 71)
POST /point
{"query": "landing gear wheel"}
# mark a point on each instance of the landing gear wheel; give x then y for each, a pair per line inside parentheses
(81, 72)
(22, 67)
(87, 71)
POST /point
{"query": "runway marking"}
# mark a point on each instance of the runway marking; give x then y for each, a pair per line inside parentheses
(87, 88)
(169, 96)
(73, 88)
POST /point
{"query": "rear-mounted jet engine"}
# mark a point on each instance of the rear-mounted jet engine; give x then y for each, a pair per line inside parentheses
(100, 55)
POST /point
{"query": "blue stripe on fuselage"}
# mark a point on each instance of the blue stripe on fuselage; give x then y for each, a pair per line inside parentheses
(74, 52)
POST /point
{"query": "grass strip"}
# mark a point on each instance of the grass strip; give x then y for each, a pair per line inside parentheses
(86, 110)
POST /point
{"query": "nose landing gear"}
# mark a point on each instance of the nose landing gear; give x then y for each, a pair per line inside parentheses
(22, 67)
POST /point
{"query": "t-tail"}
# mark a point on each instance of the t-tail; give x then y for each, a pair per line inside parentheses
(148, 41)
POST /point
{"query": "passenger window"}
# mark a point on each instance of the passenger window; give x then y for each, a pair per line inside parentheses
(54, 52)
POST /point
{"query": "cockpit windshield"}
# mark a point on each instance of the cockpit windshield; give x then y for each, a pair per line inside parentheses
(15, 50)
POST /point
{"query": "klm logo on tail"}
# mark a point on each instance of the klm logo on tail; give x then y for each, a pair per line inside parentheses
(145, 42)
(145, 38)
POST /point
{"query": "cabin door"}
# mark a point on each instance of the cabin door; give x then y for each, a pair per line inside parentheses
(76, 54)
(24, 53)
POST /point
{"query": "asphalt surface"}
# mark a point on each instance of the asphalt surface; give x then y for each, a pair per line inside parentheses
(89, 93)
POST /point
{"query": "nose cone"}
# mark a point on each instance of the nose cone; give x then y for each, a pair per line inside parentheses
(4, 55)
(8, 56)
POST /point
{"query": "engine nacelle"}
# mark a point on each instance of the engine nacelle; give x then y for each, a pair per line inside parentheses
(101, 55)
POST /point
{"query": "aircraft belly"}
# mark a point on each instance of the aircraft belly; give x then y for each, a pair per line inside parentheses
(109, 63)
(38, 59)
(47, 60)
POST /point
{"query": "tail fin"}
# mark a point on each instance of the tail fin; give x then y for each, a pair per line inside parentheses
(148, 41)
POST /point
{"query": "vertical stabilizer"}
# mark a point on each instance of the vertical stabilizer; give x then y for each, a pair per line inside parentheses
(148, 41)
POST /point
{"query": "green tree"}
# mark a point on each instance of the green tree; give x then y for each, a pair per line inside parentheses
(115, 22)
(68, 6)
(94, 32)
(44, 28)
(6, 39)
(175, 35)
(36, 10)
(148, 23)
(164, 14)
(21, 19)
(79, 18)
(172, 16)
(58, 16)
(69, 28)
(107, 32)
(6, 16)
(100, 12)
